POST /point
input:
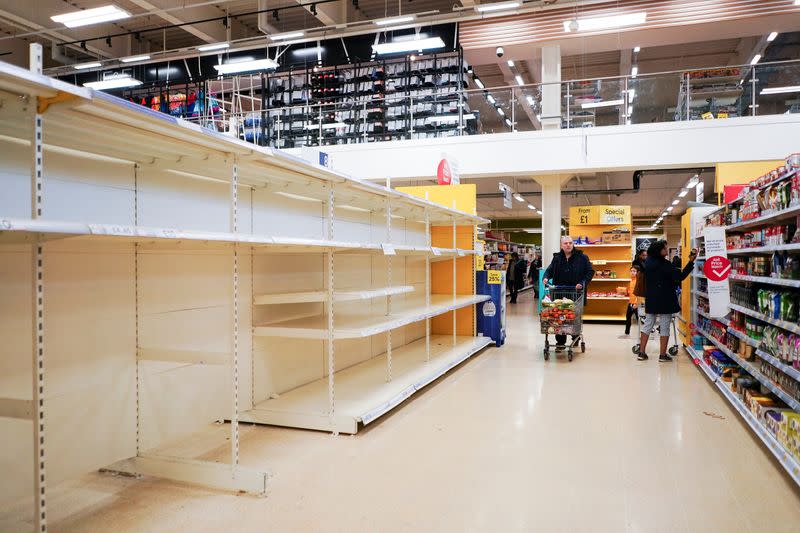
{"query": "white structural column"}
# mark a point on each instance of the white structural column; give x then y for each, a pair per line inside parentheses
(551, 88)
(551, 215)
(37, 296)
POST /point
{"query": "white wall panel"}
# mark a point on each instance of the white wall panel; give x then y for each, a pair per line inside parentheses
(642, 146)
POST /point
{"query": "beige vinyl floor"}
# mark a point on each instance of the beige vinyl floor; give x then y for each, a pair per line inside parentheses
(506, 442)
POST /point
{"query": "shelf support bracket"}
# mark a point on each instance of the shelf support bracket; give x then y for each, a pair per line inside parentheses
(427, 280)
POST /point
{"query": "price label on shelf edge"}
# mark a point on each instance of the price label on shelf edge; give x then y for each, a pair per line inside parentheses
(494, 277)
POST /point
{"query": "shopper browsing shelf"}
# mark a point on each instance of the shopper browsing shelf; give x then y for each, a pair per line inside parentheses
(637, 279)
(569, 267)
(515, 275)
(661, 299)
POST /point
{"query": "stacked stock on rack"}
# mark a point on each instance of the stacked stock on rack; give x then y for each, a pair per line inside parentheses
(753, 353)
(176, 277)
(603, 232)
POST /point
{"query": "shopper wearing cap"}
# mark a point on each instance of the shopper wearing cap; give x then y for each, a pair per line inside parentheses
(661, 298)
(569, 267)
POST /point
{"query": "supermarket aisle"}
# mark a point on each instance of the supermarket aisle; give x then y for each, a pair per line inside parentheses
(506, 443)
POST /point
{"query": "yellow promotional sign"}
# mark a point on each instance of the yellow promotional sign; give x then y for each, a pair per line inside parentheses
(480, 262)
(494, 277)
(708, 115)
(593, 215)
(722, 115)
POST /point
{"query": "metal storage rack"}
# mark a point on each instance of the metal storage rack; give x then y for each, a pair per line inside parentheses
(158, 232)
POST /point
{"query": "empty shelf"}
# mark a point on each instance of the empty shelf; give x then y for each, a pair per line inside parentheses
(362, 393)
(356, 326)
(338, 296)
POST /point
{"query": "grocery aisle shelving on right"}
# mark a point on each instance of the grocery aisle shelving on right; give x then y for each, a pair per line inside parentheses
(753, 353)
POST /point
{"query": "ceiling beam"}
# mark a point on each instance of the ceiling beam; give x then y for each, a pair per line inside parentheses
(210, 32)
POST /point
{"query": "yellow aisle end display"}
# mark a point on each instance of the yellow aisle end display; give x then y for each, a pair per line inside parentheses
(603, 232)
(462, 198)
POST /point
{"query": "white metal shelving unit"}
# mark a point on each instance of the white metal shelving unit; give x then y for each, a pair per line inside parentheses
(133, 245)
(753, 367)
(786, 460)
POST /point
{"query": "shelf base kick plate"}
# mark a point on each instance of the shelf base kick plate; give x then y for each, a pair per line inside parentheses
(205, 473)
(362, 394)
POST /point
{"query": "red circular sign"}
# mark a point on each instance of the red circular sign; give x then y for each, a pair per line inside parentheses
(717, 268)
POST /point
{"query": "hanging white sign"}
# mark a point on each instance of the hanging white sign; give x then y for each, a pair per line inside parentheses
(717, 269)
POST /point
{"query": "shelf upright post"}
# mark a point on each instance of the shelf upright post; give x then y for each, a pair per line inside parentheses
(688, 98)
(455, 261)
(329, 305)
(37, 295)
(427, 280)
(364, 120)
(136, 308)
(234, 225)
(388, 282)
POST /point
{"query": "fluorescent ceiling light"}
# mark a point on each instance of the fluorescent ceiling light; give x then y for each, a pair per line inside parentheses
(531, 207)
(479, 83)
(408, 46)
(630, 110)
(631, 94)
(530, 100)
(608, 103)
(87, 17)
(135, 58)
(693, 182)
(491, 99)
(215, 46)
(669, 209)
(448, 118)
(508, 122)
(284, 36)
(499, 6)
(634, 71)
(246, 66)
(605, 23)
(781, 90)
(772, 36)
(501, 112)
(518, 197)
(637, 49)
(329, 126)
(756, 59)
(510, 62)
(82, 66)
(519, 79)
(683, 193)
(113, 83)
(675, 202)
(314, 50)
(395, 20)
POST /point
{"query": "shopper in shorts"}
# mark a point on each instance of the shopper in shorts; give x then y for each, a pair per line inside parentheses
(661, 298)
(569, 267)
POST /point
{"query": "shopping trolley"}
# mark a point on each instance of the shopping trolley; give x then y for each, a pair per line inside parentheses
(673, 350)
(562, 314)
